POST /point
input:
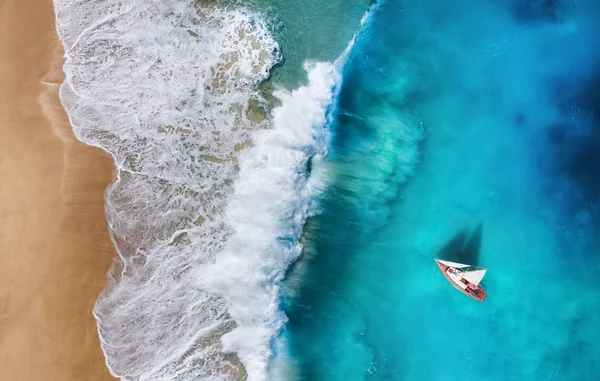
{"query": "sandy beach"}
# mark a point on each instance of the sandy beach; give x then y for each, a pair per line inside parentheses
(54, 244)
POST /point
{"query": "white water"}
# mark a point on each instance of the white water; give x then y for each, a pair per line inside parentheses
(266, 212)
(204, 227)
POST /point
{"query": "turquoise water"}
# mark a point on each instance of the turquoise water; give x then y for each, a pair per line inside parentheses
(470, 118)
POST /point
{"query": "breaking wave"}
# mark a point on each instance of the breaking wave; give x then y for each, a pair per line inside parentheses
(211, 189)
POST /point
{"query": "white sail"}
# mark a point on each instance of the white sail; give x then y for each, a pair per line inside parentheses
(474, 276)
(456, 265)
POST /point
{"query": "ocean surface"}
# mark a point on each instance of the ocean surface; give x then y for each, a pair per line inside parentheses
(288, 170)
(466, 130)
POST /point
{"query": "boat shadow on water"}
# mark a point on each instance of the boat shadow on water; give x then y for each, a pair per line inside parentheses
(463, 247)
(459, 262)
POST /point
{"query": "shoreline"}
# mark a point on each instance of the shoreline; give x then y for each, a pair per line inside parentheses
(55, 247)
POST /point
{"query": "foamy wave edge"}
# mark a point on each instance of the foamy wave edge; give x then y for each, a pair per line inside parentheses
(268, 209)
(211, 194)
(204, 227)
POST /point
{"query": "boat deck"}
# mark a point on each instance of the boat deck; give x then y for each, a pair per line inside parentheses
(474, 291)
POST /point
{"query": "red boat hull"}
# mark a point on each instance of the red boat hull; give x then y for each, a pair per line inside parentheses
(471, 290)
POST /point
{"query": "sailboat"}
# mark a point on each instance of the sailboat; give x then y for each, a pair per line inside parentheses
(465, 278)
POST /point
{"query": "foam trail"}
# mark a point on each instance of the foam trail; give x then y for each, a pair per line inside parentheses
(170, 92)
(267, 212)
(211, 191)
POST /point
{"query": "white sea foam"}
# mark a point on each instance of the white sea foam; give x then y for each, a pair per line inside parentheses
(210, 193)
(269, 207)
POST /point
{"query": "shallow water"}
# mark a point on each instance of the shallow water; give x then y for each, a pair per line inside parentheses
(309, 30)
(476, 117)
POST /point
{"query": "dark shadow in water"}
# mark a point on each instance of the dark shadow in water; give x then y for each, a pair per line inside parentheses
(540, 11)
(568, 157)
(463, 248)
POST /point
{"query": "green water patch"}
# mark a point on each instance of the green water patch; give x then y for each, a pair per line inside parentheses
(314, 30)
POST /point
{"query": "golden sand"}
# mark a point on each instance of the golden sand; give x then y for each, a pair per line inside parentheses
(54, 244)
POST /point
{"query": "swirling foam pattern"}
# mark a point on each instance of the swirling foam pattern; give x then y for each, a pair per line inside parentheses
(211, 191)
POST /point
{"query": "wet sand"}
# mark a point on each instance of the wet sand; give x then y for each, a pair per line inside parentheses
(54, 244)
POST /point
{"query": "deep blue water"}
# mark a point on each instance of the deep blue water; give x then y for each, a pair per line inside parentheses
(464, 118)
